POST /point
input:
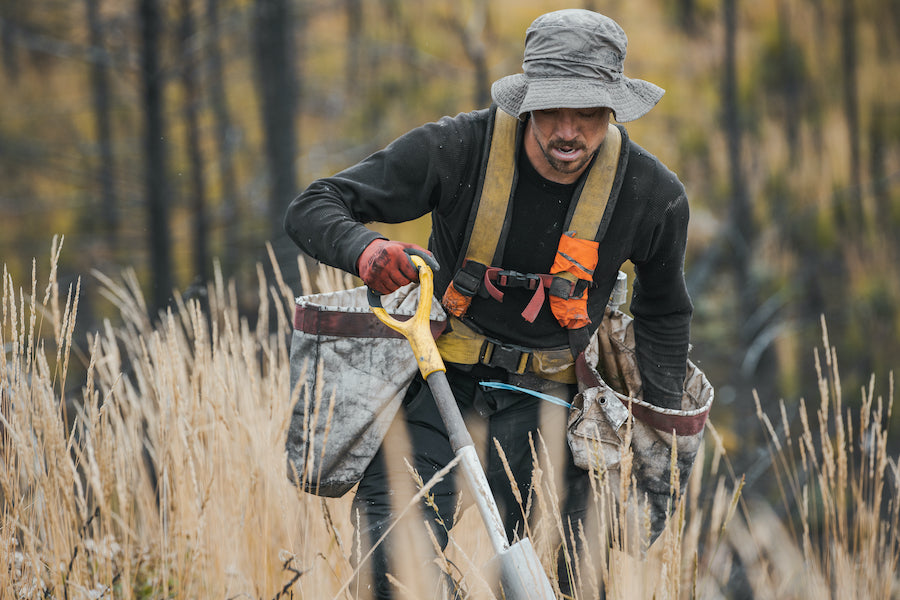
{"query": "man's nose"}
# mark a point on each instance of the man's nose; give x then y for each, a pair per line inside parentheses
(566, 126)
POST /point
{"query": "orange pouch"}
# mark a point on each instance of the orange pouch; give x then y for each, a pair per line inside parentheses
(455, 302)
(575, 259)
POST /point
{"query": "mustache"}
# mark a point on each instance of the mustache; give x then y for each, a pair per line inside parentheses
(561, 143)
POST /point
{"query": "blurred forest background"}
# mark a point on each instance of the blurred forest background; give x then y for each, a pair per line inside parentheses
(167, 135)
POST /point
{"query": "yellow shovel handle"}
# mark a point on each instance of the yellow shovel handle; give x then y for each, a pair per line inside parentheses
(416, 329)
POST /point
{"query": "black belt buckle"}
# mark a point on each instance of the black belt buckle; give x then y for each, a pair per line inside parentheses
(516, 279)
(467, 280)
(466, 283)
(508, 358)
(563, 288)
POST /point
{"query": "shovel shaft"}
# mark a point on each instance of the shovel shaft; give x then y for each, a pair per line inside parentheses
(484, 499)
(449, 410)
(464, 448)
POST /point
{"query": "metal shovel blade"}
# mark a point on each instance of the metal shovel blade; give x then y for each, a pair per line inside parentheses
(521, 574)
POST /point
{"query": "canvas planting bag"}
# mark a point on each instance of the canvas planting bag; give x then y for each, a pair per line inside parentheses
(349, 373)
(609, 407)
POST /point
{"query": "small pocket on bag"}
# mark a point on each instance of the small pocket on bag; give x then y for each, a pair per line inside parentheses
(594, 431)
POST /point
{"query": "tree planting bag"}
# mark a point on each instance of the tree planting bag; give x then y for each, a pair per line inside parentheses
(349, 373)
(609, 409)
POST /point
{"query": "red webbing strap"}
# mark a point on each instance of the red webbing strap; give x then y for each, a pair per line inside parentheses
(680, 424)
(318, 320)
(534, 305)
(531, 311)
(489, 285)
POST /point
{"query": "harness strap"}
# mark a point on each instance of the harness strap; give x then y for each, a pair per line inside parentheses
(496, 190)
(486, 222)
(589, 215)
(491, 211)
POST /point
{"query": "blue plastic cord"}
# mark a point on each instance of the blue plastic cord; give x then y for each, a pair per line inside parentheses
(506, 386)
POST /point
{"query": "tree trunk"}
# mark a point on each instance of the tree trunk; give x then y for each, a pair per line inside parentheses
(8, 33)
(751, 327)
(224, 142)
(472, 34)
(192, 143)
(878, 168)
(741, 218)
(687, 15)
(856, 211)
(354, 14)
(278, 88)
(100, 92)
(792, 81)
(155, 154)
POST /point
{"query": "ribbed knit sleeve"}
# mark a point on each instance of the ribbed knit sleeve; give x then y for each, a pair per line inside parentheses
(660, 304)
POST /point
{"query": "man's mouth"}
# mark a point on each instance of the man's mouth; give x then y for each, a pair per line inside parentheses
(567, 152)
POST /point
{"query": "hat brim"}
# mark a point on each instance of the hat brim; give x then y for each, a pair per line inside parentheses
(628, 98)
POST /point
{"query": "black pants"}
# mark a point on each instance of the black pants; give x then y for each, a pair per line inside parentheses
(510, 417)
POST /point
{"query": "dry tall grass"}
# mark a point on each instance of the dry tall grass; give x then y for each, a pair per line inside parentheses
(172, 482)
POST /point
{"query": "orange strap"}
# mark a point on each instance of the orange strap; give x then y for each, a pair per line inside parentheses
(575, 259)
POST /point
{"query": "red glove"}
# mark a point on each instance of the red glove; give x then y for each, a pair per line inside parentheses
(384, 266)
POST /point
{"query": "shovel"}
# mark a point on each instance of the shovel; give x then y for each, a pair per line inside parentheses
(521, 574)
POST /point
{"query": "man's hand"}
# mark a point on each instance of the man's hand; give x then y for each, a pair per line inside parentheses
(384, 266)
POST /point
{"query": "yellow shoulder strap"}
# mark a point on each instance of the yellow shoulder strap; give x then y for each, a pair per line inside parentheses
(589, 214)
(497, 189)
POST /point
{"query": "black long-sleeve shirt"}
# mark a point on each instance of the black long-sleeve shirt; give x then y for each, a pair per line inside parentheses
(436, 168)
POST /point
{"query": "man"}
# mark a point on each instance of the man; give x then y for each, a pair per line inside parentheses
(533, 305)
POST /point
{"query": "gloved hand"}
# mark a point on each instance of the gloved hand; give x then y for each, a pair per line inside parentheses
(384, 266)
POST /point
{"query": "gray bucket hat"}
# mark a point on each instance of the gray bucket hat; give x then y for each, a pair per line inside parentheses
(574, 59)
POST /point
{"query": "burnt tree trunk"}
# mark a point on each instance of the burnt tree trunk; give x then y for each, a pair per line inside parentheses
(277, 83)
(472, 34)
(354, 11)
(224, 141)
(856, 211)
(687, 15)
(155, 154)
(189, 84)
(100, 95)
(740, 217)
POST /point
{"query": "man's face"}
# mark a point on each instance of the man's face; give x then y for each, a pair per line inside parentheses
(560, 142)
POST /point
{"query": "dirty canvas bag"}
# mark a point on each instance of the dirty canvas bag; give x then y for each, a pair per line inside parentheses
(609, 409)
(349, 373)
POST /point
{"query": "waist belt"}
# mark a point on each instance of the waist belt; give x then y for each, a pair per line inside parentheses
(464, 346)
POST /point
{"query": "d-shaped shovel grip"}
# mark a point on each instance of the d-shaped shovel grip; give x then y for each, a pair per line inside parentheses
(416, 329)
